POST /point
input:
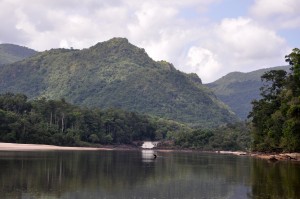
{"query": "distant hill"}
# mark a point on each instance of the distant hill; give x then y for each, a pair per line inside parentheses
(117, 74)
(238, 90)
(10, 53)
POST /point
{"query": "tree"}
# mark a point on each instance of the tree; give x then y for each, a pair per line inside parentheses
(275, 81)
(14, 102)
(276, 117)
(294, 60)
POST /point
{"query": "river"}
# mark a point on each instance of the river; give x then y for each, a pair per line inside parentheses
(139, 175)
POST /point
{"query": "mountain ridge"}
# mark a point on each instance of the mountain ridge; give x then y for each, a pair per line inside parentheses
(10, 53)
(116, 74)
(239, 89)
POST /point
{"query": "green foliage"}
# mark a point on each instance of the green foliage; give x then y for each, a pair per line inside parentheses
(116, 74)
(197, 139)
(60, 123)
(238, 90)
(294, 60)
(276, 117)
(229, 137)
(10, 53)
(278, 79)
(14, 103)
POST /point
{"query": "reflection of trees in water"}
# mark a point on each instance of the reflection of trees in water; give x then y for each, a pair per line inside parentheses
(233, 169)
(59, 172)
(210, 175)
(275, 180)
(126, 174)
(114, 173)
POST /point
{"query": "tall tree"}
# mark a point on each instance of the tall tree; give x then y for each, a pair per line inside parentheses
(291, 106)
(294, 60)
(276, 117)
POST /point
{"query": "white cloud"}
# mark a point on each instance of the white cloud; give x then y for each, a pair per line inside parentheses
(246, 45)
(64, 44)
(203, 62)
(46, 23)
(279, 13)
(247, 39)
(237, 44)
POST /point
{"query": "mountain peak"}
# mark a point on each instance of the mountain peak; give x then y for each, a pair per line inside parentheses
(117, 49)
(115, 42)
(118, 40)
(116, 74)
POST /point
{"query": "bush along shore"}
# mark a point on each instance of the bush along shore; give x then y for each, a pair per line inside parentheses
(57, 122)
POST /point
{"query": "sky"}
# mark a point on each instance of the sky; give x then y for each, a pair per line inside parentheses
(208, 37)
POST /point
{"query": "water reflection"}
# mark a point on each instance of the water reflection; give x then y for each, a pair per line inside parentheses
(148, 156)
(135, 174)
(275, 180)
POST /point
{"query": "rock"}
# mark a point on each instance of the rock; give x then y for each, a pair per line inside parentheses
(273, 159)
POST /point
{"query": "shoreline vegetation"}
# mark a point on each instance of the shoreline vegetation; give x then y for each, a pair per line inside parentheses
(57, 122)
(272, 157)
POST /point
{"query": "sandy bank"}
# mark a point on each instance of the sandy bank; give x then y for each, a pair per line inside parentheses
(233, 152)
(42, 147)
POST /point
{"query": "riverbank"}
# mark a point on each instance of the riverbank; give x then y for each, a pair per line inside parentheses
(273, 157)
(43, 147)
(277, 157)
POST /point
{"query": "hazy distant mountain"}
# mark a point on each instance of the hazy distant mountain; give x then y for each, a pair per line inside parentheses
(116, 74)
(238, 90)
(10, 53)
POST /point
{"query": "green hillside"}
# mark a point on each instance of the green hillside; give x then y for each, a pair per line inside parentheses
(116, 74)
(238, 90)
(10, 53)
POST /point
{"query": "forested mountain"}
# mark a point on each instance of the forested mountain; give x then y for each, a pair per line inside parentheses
(238, 89)
(116, 74)
(10, 53)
